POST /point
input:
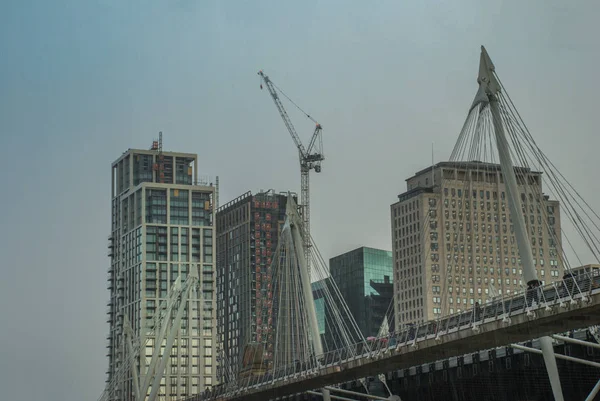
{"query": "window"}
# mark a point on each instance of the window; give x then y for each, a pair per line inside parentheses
(179, 207)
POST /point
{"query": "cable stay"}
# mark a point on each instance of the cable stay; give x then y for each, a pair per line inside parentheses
(295, 346)
(507, 244)
(500, 243)
(164, 328)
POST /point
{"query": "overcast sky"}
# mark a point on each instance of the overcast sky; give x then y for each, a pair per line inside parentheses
(82, 81)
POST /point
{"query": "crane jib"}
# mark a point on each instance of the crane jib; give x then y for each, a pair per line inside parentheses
(309, 159)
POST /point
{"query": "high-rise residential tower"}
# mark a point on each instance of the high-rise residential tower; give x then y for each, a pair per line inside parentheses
(454, 243)
(248, 230)
(162, 229)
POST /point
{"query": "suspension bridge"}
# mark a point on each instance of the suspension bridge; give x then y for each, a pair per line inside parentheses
(562, 306)
(492, 125)
(297, 359)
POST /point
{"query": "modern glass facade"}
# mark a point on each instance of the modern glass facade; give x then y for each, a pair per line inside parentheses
(318, 288)
(353, 272)
(156, 239)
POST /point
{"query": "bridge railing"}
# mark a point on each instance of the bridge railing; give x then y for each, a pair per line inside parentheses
(568, 290)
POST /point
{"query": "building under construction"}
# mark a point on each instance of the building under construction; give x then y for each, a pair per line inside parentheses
(248, 230)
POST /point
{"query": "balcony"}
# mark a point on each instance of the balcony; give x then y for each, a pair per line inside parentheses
(111, 245)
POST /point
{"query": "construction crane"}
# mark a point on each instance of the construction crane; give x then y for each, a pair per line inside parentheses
(310, 158)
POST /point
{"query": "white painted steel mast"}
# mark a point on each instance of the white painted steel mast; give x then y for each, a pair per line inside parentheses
(293, 223)
(129, 336)
(489, 88)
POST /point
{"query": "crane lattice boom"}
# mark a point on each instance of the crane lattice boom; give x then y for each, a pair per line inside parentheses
(310, 158)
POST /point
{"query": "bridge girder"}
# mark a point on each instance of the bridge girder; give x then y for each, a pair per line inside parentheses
(492, 334)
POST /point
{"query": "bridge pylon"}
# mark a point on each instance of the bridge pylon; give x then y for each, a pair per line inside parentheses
(293, 228)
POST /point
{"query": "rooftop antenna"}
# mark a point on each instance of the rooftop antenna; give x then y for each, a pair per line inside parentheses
(161, 159)
(217, 193)
(159, 163)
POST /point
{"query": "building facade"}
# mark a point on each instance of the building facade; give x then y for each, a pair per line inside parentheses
(453, 238)
(248, 230)
(319, 289)
(380, 305)
(162, 229)
(353, 272)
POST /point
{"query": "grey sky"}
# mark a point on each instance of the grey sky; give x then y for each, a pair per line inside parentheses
(80, 82)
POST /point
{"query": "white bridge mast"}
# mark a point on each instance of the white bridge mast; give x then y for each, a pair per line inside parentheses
(294, 226)
(489, 88)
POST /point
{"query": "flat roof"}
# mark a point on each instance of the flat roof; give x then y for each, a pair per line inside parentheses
(360, 248)
(413, 192)
(470, 165)
(182, 155)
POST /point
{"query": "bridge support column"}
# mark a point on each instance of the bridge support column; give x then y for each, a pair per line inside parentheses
(489, 89)
(158, 374)
(305, 279)
(129, 343)
(529, 272)
(333, 397)
(576, 341)
(559, 356)
(369, 396)
(594, 392)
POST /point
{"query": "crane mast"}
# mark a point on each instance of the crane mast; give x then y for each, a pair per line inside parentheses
(310, 158)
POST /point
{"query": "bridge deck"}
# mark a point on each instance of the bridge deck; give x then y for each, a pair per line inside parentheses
(453, 340)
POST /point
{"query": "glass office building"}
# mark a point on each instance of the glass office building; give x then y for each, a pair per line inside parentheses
(318, 290)
(353, 272)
